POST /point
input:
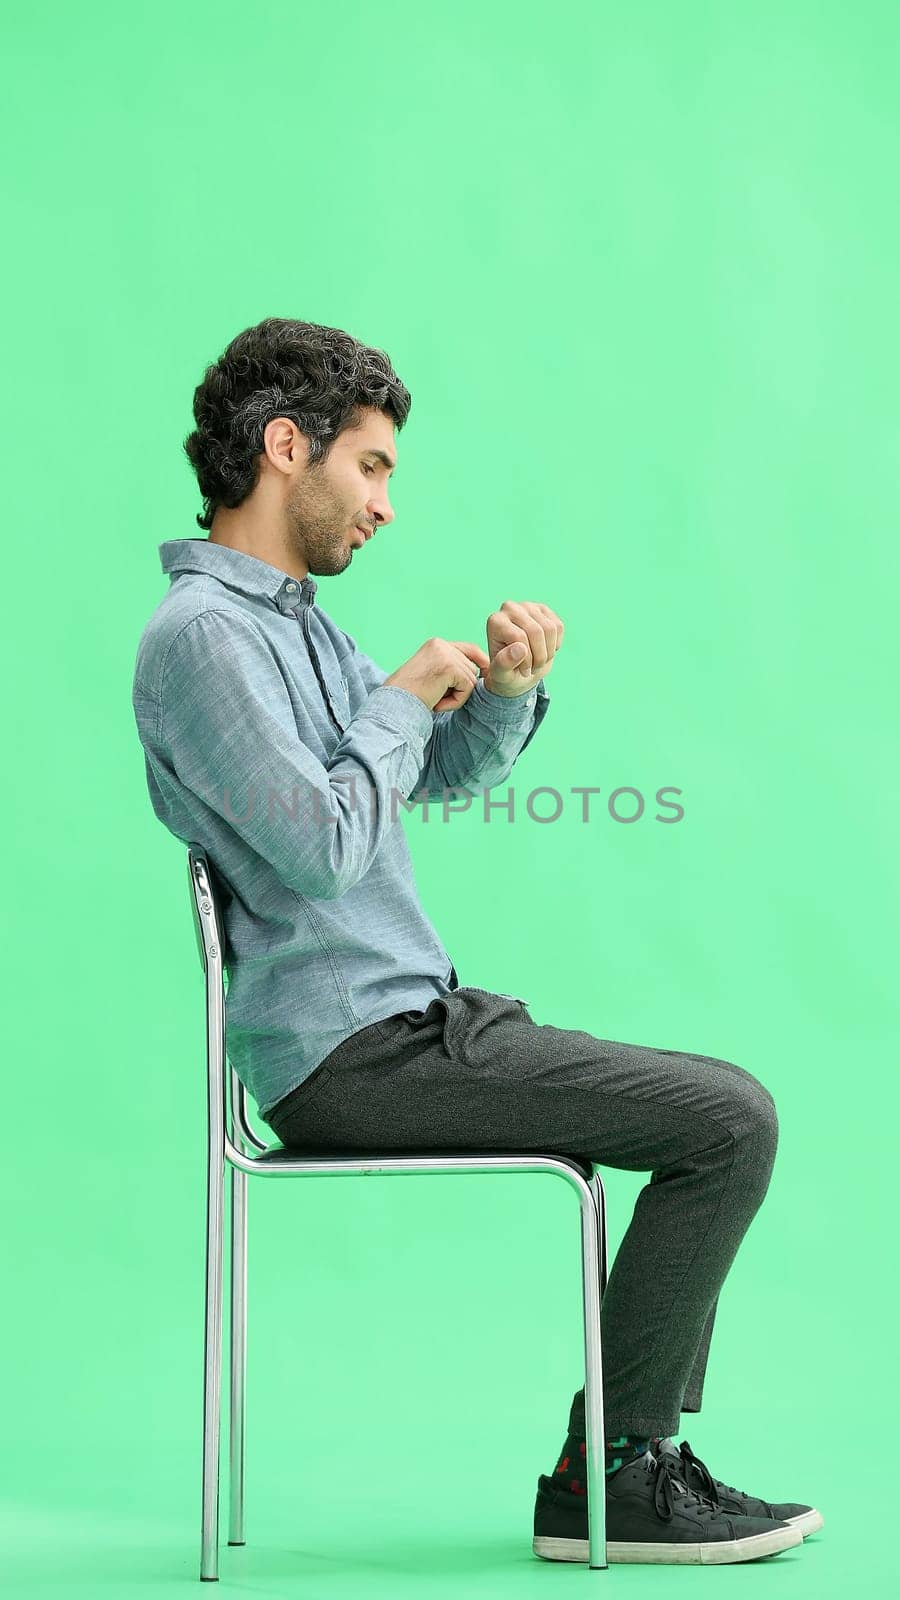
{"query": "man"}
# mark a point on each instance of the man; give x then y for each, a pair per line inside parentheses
(271, 739)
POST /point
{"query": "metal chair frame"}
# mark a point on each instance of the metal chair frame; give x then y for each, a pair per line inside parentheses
(234, 1144)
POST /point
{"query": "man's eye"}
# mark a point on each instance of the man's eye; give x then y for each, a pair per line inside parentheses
(368, 466)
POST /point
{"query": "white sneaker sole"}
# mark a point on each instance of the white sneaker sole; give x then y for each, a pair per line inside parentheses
(712, 1553)
(807, 1522)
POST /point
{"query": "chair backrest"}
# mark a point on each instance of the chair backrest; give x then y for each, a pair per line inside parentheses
(208, 927)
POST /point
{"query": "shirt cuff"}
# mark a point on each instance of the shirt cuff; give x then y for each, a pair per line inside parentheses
(395, 706)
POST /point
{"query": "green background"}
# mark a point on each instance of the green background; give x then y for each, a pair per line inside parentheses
(638, 267)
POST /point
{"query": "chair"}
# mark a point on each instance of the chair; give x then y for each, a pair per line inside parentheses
(229, 1142)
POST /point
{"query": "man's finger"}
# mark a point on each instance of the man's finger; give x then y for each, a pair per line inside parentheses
(542, 634)
(474, 652)
(516, 621)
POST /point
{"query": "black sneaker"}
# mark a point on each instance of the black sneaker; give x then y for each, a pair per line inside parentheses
(651, 1515)
(737, 1502)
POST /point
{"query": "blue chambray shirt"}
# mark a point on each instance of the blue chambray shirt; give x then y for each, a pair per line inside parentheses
(273, 741)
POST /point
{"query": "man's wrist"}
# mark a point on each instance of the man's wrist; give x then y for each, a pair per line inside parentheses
(506, 694)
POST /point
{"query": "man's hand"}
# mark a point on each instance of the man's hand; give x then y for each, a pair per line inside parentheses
(443, 673)
(523, 637)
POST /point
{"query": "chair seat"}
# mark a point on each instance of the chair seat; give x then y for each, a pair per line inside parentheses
(278, 1153)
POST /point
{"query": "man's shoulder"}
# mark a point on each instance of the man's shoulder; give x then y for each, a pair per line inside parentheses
(185, 604)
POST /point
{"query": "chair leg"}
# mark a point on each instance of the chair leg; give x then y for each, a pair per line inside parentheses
(238, 1341)
(591, 1210)
(600, 1196)
(212, 1364)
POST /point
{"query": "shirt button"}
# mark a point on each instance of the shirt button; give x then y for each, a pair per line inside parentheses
(290, 587)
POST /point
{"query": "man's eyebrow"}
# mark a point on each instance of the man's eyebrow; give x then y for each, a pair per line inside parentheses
(381, 455)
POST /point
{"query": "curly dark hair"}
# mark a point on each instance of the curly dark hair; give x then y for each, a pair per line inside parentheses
(320, 377)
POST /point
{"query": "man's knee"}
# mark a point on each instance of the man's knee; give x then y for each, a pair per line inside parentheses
(754, 1118)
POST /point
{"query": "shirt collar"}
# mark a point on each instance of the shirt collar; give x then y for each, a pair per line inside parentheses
(237, 570)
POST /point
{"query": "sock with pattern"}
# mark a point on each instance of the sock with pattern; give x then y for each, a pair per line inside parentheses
(569, 1472)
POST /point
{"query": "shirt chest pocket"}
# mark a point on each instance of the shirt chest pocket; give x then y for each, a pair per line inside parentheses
(342, 697)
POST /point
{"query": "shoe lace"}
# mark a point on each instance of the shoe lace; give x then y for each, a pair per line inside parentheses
(669, 1484)
(693, 1464)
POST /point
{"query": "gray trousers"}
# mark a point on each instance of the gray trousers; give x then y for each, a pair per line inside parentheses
(475, 1071)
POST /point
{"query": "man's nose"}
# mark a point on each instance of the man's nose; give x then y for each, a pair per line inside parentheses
(384, 513)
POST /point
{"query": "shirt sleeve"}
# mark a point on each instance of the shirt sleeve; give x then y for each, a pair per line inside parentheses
(475, 746)
(226, 727)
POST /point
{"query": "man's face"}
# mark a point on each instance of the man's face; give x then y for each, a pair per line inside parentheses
(332, 499)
